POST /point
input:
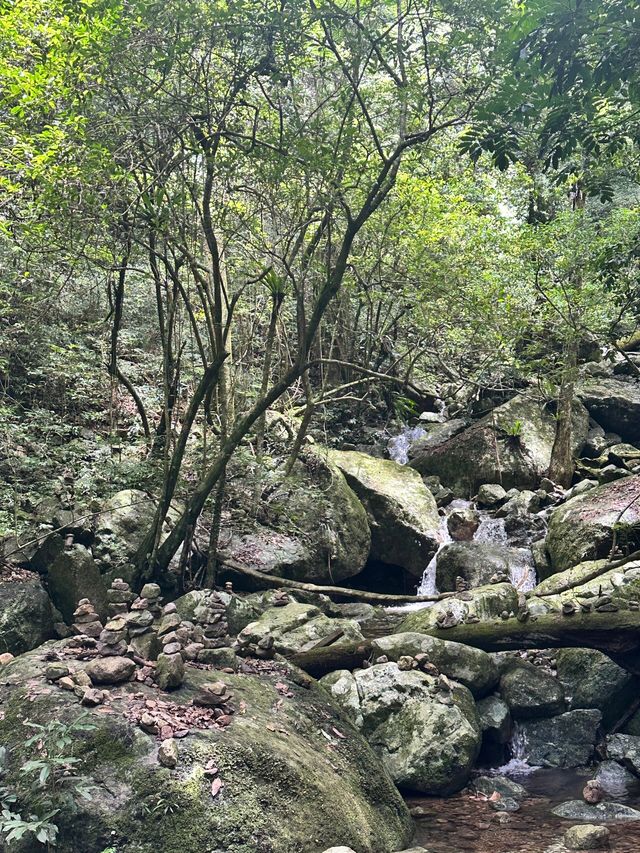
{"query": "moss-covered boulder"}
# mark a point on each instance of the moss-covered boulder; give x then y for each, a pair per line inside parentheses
(313, 529)
(428, 737)
(473, 668)
(583, 528)
(476, 562)
(567, 740)
(592, 680)
(295, 625)
(531, 692)
(402, 512)
(73, 575)
(614, 403)
(485, 604)
(512, 446)
(26, 617)
(292, 773)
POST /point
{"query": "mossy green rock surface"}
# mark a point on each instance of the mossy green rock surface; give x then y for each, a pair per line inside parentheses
(531, 692)
(26, 618)
(289, 782)
(511, 446)
(402, 512)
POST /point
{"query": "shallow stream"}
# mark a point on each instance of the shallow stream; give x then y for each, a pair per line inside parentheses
(467, 824)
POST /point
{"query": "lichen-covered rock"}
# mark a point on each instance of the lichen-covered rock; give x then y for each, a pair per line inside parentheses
(26, 616)
(504, 786)
(586, 837)
(402, 512)
(583, 528)
(512, 446)
(317, 531)
(614, 403)
(72, 576)
(603, 812)
(427, 737)
(530, 692)
(473, 668)
(110, 670)
(495, 719)
(274, 768)
(491, 495)
(295, 625)
(567, 740)
(592, 680)
(625, 749)
(484, 603)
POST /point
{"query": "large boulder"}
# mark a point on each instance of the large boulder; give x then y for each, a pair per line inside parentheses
(583, 528)
(120, 530)
(402, 512)
(531, 692)
(73, 575)
(614, 403)
(26, 618)
(512, 445)
(428, 738)
(292, 773)
(316, 529)
(592, 680)
(564, 741)
(473, 668)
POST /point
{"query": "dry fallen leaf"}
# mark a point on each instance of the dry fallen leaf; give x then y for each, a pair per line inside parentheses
(216, 785)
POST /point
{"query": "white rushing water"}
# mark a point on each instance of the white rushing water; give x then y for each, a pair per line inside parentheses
(398, 446)
(518, 764)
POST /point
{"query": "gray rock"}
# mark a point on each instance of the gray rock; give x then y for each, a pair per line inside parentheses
(471, 667)
(462, 524)
(26, 616)
(484, 603)
(614, 404)
(592, 680)
(168, 753)
(582, 529)
(614, 779)
(530, 692)
(522, 429)
(501, 784)
(567, 740)
(428, 738)
(295, 625)
(586, 837)
(402, 512)
(626, 750)
(476, 562)
(603, 812)
(74, 575)
(495, 718)
(490, 495)
(110, 670)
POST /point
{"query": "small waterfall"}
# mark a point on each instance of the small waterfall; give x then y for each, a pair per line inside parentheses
(398, 446)
(521, 569)
(518, 764)
(491, 529)
(428, 582)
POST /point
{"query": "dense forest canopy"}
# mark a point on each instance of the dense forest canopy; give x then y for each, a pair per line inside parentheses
(233, 208)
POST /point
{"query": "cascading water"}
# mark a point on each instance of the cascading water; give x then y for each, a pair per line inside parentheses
(518, 764)
(398, 446)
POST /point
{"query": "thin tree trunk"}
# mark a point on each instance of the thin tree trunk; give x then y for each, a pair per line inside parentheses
(562, 464)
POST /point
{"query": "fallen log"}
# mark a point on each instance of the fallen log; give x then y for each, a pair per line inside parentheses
(267, 580)
(590, 576)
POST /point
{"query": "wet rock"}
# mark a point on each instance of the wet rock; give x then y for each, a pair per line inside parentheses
(505, 804)
(626, 750)
(530, 692)
(502, 785)
(586, 837)
(603, 812)
(462, 524)
(402, 512)
(567, 740)
(614, 779)
(476, 562)
(471, 667)
(110, 670)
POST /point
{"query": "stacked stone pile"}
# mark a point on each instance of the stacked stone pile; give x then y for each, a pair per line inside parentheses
(120, 597)
(86, 621)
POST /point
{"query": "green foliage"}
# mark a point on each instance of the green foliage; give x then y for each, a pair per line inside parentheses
(47, 781)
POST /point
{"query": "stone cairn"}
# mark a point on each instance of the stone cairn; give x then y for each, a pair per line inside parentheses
(86, 621)
(120, 597)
